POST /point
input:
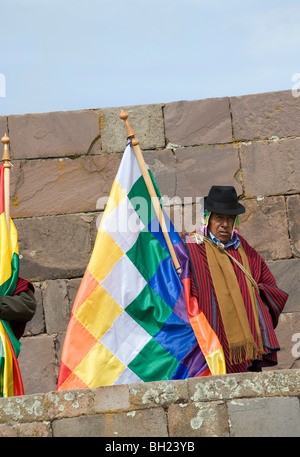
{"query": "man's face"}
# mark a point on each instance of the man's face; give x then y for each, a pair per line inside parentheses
(221, 226)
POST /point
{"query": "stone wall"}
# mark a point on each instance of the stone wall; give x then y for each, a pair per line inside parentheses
(239, 405)
(64, 164)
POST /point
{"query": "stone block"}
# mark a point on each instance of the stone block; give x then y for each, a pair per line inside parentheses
(263, 170)
(54, 247)
(70, 403)
(189, 123)
(22, 409)
(264, 225)
(59, 186)
(287, 273)
(32, 429)
(3, 130)
(9, 431)
(111, 399)
(145, 120)
(198, 168)
(214, 388)
(143, 423)
(282, 383)
(198, 420)
(56, 306)
(254, 417)
(185, 217)
(55, 134)
(72, 289)
(37, 364)
(95, 225)
(73, 286)
(158, 393)
(59, 344)
(37, 323)
(261, 116)
(293, 211)
(163, 167)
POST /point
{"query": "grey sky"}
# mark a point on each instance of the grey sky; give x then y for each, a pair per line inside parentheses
(59, 55)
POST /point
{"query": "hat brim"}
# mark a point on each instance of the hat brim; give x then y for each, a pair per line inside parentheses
(221, 208)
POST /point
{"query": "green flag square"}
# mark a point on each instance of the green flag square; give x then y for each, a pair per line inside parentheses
(149, 310)
(146, 254)
(153, 363)
(141, 201)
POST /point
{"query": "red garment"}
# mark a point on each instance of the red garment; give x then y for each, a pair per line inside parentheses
(22, 286)
(202, 288)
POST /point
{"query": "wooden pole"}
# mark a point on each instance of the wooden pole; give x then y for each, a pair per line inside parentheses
(150, 187)
(7, 165)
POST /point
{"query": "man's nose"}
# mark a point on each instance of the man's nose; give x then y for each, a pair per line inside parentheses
(225, 222)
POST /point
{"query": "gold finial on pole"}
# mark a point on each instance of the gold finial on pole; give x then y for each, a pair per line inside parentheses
(150, 187)
(7, 165)
(5, 140)
(124, 116)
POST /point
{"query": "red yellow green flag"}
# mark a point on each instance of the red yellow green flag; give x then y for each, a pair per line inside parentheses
(10, 377)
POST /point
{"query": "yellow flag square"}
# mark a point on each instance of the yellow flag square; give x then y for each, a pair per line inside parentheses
(105, 254)
(98, 312)
(99, 368)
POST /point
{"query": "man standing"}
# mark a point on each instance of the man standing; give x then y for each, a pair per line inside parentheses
(233, 285)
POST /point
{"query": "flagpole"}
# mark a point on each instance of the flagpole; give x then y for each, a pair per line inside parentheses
(151, 189)
(7, 165)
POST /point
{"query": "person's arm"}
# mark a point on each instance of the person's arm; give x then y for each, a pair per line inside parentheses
(20, 307)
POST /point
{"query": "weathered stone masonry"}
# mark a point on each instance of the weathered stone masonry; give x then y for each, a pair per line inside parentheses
(64, 164)
(246, 404)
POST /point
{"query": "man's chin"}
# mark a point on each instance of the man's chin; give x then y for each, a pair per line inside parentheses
(224, 239)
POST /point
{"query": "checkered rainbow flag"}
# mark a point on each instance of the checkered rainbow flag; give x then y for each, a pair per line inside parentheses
(129, 321)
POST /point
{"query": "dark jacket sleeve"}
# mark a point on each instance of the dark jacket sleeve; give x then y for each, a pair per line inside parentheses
(19, 308)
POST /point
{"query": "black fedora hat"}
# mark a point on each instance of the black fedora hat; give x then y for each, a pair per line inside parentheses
(223, 200)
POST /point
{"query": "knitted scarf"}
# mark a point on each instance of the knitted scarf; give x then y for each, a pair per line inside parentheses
(236, 324)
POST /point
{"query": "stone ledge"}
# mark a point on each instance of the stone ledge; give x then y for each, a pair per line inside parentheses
(245, 385)
(151, 395)
(227, 405)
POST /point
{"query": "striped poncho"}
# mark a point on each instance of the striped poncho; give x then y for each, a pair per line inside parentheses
(270, 301)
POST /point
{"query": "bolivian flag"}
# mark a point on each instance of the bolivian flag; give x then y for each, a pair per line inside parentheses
(129, 321)
(10, 378)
